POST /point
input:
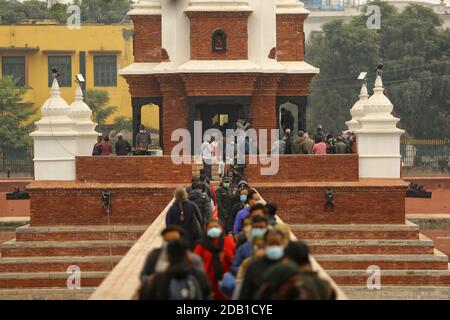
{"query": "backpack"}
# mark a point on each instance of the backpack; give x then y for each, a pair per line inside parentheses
(187, 288)
(97, 150)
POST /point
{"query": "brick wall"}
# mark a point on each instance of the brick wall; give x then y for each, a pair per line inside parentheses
(147, 38)
(362, 203)
(132, 169)
(305, 168)
(80, 204)
(203, 25)
(174, 110)
(290, 37)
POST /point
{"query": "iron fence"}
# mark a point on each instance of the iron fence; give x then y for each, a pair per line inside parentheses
(433, 153)
(14, 161)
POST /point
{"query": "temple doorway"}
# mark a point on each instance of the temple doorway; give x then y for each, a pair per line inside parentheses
(219, 116)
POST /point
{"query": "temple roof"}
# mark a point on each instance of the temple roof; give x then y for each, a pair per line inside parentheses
(218, 5)
(219, 66)
(290, 7)
(146, 7)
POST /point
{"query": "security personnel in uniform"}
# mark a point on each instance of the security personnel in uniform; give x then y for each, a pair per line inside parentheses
(224, 197)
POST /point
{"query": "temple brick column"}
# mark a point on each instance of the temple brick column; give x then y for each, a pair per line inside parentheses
(175, 112)
(291, 16)
(147, 39)
(263, 108)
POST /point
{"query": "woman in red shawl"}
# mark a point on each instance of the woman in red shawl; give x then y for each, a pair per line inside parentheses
(217, 253)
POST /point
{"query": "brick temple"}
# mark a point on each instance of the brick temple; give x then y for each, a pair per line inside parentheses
(205, 60)
(199, 60)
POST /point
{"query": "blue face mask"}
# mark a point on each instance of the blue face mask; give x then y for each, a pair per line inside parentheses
(243, 197)
(258, 232)
(274, 252)
(214, 232)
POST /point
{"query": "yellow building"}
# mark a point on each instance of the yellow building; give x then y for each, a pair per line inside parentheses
(29, 52)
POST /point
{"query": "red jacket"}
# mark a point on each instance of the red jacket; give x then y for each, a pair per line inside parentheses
(227, 256)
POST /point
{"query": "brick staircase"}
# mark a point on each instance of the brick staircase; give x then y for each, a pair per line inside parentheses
(34, 264)
(410, 266)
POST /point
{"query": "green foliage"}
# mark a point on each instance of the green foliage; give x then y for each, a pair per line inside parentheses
(97, 100)
(15, 124)
(92, 11)
(104, 11)
(415, 52)
(121, 124)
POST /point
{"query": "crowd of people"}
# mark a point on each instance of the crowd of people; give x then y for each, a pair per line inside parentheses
(320, 143)
(228, 244)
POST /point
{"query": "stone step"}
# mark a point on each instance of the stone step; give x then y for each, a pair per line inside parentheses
(437, 261)
(370, 246)
(393, 277)
(13, 248)
(55, 264)
(46, 294)
(75, 233)
(397, 293)
(356, 231)
(48, 279)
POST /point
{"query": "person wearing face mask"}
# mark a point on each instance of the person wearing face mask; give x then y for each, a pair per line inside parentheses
(258, 228)
(217, 252)
(274, 253)
(224, 197)
(158, 261)
(252, 198)
(143, 138)
(242, 197)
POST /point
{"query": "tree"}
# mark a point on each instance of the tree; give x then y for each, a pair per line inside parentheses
(415, 52)
(97, 100)
(104, 11)
(92, 11)
(15, 125)
(120, 124)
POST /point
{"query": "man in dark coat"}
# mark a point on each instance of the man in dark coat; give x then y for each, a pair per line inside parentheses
(202, 200)
(123, 147)
(164, 285)
(224, 199)
(254, 275)
(287, 120)
(143, 138)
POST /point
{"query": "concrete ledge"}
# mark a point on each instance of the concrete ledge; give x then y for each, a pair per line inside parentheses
(398, 293)
(433, 221)
(45, 294)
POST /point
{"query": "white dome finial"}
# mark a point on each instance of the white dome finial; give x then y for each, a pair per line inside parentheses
(55, 105)
(378, 111)
(357, 111)
(81, 113)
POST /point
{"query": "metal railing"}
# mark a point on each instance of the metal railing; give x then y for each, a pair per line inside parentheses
(17, 161)
(433, 153)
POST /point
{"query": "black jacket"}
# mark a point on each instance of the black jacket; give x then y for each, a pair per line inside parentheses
(203, 203)
(232, 216)
(224, 201)
(123, 147)
(254, 277)
(150, 263)
(192, 224)
(159, 287)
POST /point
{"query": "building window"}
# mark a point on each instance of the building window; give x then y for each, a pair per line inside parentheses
(105, 71)
(64, 66)
(14, 67)
(219, 41)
